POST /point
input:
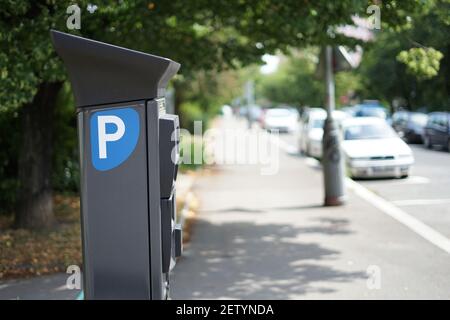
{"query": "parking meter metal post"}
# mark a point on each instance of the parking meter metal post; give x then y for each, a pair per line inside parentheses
(119, 95)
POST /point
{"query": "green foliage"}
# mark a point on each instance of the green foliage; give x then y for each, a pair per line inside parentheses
(27, 57)
(294, 82)
(192, 112)
(189, 148)
(66, 171)
(423, 80)
(201, 34)
(421, 62)
(347, 83)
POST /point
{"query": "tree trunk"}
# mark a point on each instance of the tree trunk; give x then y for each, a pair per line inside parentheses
(34, 201)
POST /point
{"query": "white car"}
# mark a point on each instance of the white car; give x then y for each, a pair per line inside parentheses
(373, 149)
(281, 119)
(312, 131)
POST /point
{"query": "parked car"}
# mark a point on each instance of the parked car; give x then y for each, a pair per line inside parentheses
(312, 118)
(350, 110)
(410, 125)
(370, 110)
(314, 135)
(282, 119)
(373, 149)
(437, 130)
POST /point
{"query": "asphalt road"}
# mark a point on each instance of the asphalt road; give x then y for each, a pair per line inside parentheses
(426, 193)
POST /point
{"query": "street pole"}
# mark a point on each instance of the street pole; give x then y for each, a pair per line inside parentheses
(332, 160)
(250, 97)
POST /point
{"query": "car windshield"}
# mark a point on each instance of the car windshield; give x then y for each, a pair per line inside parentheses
(419, 118)
(369, 131)
(318, 123)
(371, 112)
(279, 113)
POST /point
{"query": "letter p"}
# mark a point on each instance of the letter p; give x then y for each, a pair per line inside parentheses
(104, 137)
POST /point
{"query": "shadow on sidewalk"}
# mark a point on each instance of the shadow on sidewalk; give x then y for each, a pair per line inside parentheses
(263, 210)
(245, 260)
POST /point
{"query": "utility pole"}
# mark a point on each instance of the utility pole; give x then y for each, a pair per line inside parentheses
(250, 97)
(332, 161)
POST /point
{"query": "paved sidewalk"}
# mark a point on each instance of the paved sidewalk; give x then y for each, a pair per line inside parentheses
(51, 287)
(268, 237)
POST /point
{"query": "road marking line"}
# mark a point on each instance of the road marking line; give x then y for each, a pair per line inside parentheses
(409, 180)
(420, 202)
(401, 216)
(390, 209)
(416, 180)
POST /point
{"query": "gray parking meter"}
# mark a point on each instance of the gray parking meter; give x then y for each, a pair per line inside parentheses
(127, 187)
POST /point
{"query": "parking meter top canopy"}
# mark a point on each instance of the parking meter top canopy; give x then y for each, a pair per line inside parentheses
(98, 71)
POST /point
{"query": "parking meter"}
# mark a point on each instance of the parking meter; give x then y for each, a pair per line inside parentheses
(129, 232)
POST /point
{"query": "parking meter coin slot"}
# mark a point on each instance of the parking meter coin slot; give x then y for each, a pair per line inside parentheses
(168, 152)
(166, 232)
(174, 204)
(178, 240)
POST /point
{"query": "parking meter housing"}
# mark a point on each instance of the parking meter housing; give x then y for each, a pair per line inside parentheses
(119, 95)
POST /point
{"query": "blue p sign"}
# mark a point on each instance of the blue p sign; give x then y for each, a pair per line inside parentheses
(114, 135)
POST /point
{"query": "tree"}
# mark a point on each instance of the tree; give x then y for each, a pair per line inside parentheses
(201, 34)
(294, 83)
(412, 68)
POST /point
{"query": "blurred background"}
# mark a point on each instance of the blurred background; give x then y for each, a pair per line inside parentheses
(261, 62)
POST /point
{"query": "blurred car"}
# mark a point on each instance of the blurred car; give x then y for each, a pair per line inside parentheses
(437, 130)
(410, 125)
(370, 110)
(226, 111)
(373, 149)
(281, 119)
(254, 113)
(312, 118)
(350, 110)
(315, 135)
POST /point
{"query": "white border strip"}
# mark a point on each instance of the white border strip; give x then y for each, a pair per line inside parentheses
(404, 218)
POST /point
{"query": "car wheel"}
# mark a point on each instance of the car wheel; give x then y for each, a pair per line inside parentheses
(426, 142)
(448, 145)
(404, 176)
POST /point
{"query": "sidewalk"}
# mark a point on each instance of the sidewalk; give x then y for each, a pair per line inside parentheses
(49, 287)
(269, 237)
